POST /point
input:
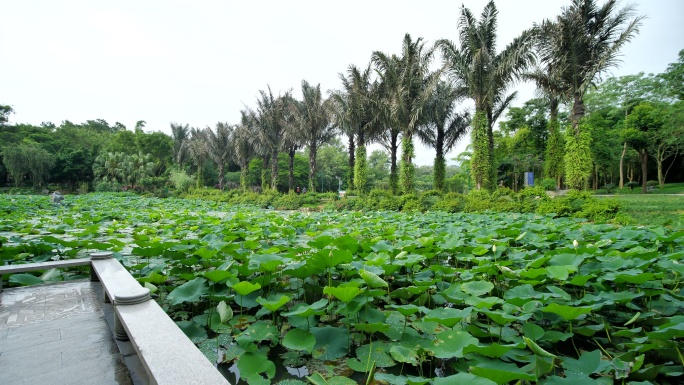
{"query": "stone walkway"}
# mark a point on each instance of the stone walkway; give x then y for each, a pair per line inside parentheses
(57, 334)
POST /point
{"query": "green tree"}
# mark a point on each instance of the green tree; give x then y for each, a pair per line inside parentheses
(313, 121)
(243, 152)
(110, 167)
(181, 138)
(220, 147)
(5, 112)
(198, 152)
(674, 77)
(584, 41)
(443, 128)
(137, 167)
(413, 85)
(485, 76)
(641, 124)
(378, 170)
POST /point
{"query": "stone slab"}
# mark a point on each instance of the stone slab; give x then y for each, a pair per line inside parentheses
(161, 344)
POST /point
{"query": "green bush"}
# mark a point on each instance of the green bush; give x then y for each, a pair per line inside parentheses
(600, 210)
(289, 201)
(548, 184)
(477, 201)
(107, 186)
(450, 202)
(410, 203)
(181, 181)
(559, 206)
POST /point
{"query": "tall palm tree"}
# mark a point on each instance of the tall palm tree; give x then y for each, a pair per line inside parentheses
(584, 41)
(197, 150)
(356, 101)
(269, 123)
(220, 148)
(413, 85)
(339, 107)
(243, 148)
(180, 140)
(313, 121)
(389, 133)
(443, 127)
(485, 76)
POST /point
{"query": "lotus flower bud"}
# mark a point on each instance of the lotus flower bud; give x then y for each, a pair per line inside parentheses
(575, 243)
(493, 248)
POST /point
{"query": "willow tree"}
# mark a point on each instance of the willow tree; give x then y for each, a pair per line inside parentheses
(413, 86)
(582, 42)
(443, 128)
(485, 76)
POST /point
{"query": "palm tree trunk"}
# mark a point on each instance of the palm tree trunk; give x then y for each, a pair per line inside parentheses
(360, 163)
(220, 172)
(394, 176)
(264, 173)
(440, 163)
(350, 174)
(290, 174)
(622, 161)
(407, 169)
(313, 151)
(578, 111)
(244, 169)
(274, 170)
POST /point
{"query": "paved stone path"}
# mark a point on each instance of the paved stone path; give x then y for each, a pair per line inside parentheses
(57, 334)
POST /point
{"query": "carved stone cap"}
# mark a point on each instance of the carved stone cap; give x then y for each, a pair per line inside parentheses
(133, 298)
(101, 255)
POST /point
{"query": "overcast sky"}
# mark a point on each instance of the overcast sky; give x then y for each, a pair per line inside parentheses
(200, 62)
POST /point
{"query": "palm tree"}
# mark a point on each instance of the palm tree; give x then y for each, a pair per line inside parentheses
(109, 167)
(485, 76)
(355, 100)
(269, 124)
(180, 141)
(340, 119)
(390, 132)
(220, 147)
(443, 127)
(137, 167)
(584, 41)
(413, 85)
(197, 151)
(313, 124)
(243, 149)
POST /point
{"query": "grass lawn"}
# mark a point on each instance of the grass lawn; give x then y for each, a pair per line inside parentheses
(654, 209)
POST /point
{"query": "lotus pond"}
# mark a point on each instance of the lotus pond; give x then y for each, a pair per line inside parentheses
(293, 298)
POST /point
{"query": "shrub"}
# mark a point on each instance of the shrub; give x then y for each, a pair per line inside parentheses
(450, 202)
(107, 186)
(559, 206)
(289, 201)
(548, 184)
(477, 200)
(632, 184)
(410, 202)
(599, 209)
(181, 181)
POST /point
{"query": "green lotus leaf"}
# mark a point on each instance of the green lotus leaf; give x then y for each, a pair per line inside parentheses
(450, 343)
(567, 312)
(344, 294)
(463, 379)
(25, 279)
(273, 303)
(244, 288)
(477, 288)
(253, 365)
(190, 291)
(372, 280)
(331, 342)
(297, 339)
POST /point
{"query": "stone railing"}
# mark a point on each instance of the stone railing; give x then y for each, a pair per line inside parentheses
(165, 352)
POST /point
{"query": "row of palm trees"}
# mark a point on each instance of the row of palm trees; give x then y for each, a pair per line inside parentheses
(399, 97)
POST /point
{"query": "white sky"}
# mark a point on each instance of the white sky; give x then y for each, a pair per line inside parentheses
(200, 62)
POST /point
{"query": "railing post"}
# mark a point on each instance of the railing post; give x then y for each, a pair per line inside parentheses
(93, 274)
(138, 296)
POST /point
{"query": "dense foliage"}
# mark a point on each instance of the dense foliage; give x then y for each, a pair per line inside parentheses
(426, 298)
